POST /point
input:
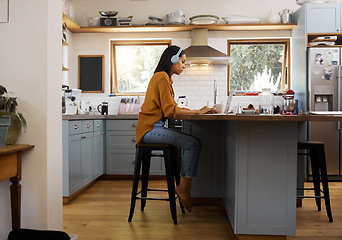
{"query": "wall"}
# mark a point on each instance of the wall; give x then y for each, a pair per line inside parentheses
(30, 68)
(195, 82)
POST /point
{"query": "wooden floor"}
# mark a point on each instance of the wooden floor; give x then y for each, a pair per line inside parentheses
(101, 213)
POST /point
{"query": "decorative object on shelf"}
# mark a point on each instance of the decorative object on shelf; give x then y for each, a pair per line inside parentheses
(286, 16)
(109, 20)
(176, 18)
(239, 19)
(155, 20)
(273, 17)
(204, 19)
(8, 107)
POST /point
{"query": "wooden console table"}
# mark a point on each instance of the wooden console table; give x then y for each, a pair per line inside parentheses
(10, 168)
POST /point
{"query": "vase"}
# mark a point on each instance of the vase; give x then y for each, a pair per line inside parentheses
(14, 130)
(273, 17)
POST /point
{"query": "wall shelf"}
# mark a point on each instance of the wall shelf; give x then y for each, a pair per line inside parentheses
(75, 28)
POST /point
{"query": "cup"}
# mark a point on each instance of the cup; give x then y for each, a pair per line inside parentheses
(220, 107)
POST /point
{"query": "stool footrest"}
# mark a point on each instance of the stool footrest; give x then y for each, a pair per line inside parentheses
(155, 190)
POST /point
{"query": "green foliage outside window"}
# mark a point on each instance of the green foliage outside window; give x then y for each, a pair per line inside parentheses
(257, 66)
(135, 66)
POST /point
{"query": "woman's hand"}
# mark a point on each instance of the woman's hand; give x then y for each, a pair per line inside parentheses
(206, 110)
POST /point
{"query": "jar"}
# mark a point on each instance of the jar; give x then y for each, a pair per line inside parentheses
(182, 101)
(265, 100)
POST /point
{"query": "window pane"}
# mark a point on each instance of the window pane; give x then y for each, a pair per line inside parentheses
(135, 66)
(256, 66)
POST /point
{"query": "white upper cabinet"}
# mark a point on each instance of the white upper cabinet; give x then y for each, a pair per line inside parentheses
(323, 18)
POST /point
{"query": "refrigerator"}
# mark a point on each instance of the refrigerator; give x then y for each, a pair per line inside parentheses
(324, 94)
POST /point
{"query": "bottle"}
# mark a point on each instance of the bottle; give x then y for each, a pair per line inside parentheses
(265, 100)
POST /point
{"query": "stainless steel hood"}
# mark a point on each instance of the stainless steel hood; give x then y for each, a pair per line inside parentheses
(201, 53)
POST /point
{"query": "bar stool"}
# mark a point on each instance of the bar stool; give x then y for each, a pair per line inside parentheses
(172, 168)
(315, 151)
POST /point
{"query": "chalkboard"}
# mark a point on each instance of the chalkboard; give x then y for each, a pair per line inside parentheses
(91, 73)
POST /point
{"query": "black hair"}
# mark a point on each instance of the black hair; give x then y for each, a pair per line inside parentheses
(165, 63)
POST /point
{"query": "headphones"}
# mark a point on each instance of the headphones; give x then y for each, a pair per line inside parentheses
(175, 58)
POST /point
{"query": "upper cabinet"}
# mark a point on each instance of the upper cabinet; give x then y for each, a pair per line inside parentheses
(323, 18)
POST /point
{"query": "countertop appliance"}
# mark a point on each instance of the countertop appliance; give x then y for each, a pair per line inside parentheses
(324, 94)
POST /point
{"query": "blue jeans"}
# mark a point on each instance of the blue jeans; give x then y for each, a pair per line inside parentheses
(191, 146)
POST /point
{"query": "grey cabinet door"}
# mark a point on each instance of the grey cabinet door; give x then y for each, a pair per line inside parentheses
(75, 174)
(323, 18)
(98, 153)
(120, 161)
(87, 157)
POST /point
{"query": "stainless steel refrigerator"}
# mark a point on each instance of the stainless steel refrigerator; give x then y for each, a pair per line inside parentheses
(324, 94)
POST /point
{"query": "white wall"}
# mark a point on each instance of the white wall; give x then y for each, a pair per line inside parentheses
(141, 9)
(31, 68)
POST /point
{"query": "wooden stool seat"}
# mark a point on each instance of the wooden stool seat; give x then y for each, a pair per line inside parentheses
(315, 151)
(172, 168)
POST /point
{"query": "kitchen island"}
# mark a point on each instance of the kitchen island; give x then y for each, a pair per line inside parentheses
(250, 162)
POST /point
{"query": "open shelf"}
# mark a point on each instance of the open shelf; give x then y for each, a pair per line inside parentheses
(311, 36)
(179, 28)
(75, 28)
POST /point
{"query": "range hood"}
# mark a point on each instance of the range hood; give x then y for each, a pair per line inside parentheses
(201, 53)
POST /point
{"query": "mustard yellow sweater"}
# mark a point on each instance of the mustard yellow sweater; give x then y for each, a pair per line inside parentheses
(159, 103)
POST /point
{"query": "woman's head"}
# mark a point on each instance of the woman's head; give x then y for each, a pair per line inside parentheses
(172, 61)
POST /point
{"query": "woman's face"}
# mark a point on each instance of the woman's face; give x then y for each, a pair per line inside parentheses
(178, 67)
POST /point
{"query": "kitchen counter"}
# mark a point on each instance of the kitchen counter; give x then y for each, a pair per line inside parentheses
(105, 117)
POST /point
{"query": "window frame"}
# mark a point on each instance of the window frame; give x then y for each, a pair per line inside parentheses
(285, 41)
(113, 66)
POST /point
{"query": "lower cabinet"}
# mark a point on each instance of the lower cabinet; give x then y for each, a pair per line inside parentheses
(83, 153)
(120, 149)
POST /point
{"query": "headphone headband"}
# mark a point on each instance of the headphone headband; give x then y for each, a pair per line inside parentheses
(175, 58)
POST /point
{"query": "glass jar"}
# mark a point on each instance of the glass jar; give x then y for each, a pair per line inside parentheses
(182, 101)
(265, 100)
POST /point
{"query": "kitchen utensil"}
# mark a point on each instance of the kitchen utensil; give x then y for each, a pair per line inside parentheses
(104, 108)
(108, 13)
(203, 19)
(176, 18)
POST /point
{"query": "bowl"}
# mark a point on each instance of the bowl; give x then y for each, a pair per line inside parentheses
(108, 13)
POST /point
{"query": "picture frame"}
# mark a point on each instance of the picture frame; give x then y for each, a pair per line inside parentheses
(4, 11)
(91, 73)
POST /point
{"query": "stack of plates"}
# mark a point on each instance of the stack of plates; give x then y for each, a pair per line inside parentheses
(301, 2)
(204, 19)
(238, 19)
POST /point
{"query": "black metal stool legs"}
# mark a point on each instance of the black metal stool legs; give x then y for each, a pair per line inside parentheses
(176, 166)
(324, 176)
(137, 166)
(314, 159)
(145, 174)
(172, 167)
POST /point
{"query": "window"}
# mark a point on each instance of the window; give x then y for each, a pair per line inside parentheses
(133, 64)
(259, 64)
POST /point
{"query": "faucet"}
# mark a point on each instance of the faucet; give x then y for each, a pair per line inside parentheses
(215, 93)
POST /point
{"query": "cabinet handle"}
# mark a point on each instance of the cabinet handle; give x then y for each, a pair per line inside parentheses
(88, 125)
(75, 126)
(338, 29)
(134, 124)
(83, 137)
(102, 133)
(98, 125)
(134, 139)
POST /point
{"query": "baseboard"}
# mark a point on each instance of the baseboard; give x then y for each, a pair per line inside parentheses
(72, 197)
(129, 177)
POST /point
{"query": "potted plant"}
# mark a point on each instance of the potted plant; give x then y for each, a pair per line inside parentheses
(8, 106)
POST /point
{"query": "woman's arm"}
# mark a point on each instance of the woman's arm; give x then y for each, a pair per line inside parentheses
(203, 110)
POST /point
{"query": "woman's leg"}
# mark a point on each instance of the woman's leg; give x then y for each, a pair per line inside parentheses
(191, 146)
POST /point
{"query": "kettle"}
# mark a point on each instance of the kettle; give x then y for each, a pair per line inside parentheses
(104, 108)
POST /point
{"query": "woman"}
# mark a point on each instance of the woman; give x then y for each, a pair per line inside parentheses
(159, 105)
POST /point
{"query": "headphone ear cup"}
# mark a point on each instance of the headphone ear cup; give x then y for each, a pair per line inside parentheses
(175, 59)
